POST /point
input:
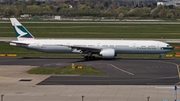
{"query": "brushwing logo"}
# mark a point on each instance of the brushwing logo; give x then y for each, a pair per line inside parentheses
(20, 32)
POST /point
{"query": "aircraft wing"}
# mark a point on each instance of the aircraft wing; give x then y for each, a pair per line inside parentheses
(84, 49)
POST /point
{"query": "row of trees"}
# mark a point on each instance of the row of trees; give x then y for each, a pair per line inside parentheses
(95, 8)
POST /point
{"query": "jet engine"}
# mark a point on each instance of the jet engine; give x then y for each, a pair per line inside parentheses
(108, 53)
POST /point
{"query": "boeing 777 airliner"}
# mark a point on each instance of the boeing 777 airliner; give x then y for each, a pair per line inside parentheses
(108, 49)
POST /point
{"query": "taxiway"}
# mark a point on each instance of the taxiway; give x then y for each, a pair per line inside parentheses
(117, 71)
(124, 80)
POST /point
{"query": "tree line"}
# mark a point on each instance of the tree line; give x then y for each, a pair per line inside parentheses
(93, 8)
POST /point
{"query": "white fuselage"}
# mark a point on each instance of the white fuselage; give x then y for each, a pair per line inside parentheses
(108, 49)
(95, 46)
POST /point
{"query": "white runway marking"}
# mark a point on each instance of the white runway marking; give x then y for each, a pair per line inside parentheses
(121, 69)
(168, 87)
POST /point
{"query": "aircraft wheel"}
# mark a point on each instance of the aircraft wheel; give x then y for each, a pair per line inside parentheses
(89, 57)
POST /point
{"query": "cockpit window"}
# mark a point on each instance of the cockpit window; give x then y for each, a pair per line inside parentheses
(169, 46)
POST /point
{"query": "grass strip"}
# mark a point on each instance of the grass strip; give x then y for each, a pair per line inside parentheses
(70, 30)
(64, 70)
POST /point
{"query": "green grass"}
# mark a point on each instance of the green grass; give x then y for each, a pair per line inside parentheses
(75, 30)
(64, 70)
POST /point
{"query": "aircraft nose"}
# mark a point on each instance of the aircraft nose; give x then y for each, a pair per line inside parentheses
(171, 47)
(168, 48)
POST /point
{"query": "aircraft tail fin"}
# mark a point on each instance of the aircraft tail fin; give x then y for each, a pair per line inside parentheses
(21, 32)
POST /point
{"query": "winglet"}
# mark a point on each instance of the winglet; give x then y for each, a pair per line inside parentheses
(21, 32)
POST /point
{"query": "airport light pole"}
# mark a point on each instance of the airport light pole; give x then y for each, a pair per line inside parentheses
(2, 97)
(148, 98)
(82, 98)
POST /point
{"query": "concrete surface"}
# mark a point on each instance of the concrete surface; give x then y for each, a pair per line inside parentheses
(15, 90)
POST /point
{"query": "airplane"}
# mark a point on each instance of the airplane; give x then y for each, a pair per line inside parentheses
(107, 49)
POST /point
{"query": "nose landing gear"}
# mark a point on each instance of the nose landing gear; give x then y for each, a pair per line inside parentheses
(160, 56)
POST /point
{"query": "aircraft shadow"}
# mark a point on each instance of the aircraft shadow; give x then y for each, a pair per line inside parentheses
(79, 59)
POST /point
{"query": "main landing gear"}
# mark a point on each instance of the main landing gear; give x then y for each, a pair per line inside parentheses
(89, 56)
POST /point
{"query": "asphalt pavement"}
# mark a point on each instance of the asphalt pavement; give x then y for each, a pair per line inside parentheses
(129, 71)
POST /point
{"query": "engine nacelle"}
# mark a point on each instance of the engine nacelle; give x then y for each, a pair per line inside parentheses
(108, 53)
